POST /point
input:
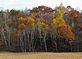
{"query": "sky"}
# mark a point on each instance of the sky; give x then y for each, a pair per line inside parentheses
(29, 4)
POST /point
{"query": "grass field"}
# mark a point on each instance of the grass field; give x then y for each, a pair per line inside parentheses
(43, 55)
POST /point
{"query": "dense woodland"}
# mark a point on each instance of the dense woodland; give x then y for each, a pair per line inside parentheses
(41, 29)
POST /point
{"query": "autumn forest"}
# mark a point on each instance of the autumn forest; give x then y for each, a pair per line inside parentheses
(41, 29)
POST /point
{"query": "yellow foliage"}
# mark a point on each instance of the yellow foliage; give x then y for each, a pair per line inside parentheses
(59, 14)
(54, 21)
(31, 19)
(21, 19)
(59, 22)
(39, 24)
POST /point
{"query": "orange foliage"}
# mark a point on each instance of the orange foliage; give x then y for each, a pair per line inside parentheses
(22, 25)
(66, 31)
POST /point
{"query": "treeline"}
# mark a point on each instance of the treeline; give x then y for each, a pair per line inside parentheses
(41, 29)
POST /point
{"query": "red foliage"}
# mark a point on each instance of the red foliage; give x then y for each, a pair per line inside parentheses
(74, 14)
(43, 9)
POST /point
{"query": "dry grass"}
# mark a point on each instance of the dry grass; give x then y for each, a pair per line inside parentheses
(47, 55)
